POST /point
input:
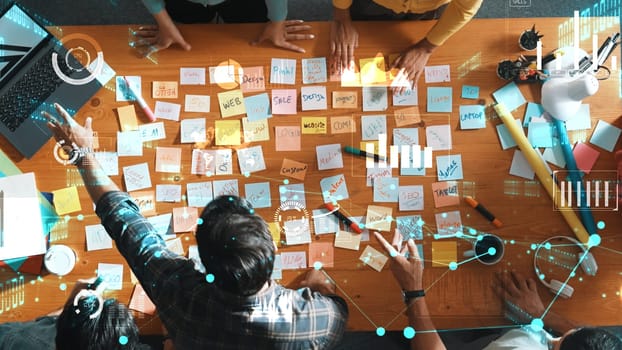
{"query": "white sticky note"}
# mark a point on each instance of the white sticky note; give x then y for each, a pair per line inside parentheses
(226, 187)
(167, 110)
(329, 156)
(163, 225)
(313, 98)
(605, 135)
(136, 177)
(168, 193)
(407, 97)
(520, 166)
(109, 162)
(192, 76)
(152, 131)
(197, 103)
(97, 238)
(283, 71)
(112, 274)
(411, 197)
(438, 137)
(199, 193)
(193, 130)
(297, 231)
(437, 74)
(129, 143)
(251, 159)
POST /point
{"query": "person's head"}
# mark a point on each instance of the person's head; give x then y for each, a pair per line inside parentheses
(590, 338)
(89, 322)
(235, 245)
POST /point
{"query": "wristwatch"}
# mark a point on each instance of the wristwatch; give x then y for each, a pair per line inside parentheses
(412, 294)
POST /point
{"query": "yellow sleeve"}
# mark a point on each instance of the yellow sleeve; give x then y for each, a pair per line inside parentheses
(456, 15)
(342, 4)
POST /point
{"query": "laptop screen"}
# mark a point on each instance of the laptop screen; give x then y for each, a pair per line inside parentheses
(19, 37)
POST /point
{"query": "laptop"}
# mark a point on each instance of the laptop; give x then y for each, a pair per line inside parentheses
(29, 84)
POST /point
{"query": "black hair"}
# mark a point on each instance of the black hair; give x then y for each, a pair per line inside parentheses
(83, 326)
(591, 338)
(235, 245)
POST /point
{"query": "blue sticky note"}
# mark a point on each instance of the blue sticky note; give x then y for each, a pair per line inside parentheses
(510, 96)
(507, 141)
(334, 188)
(386, 189)
(405, 136)
(413, 170)
(472, 117)
(470, 92)
(283, 71)
(605, 135)
(314, 70)
(449, 167)
(439, 99)
(410, 226)
(324, 222)
(533, 110)
(541, 134)
(258, 194)
(258, 107)
(292, 194)
(372, 125)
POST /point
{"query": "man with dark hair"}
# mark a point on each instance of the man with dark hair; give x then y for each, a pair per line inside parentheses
(235, 305)
(590, 338)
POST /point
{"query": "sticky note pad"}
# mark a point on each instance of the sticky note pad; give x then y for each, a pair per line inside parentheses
(372, 126)
(448, 223)
(510, 96)
(258, 107)
(449, 167)
(252, 79)
(226, 187)
(470, 92)
(439, 99)
(345, 99)
(227, 132)
(287, 138)
(112, 274)
(284, 101)
(541, 134)
(407, 97)
(297, 232)
(140, 301)
(275, 231)
(373, 70)
(445, 194)
(258, 194)
(231, 103)
(585, 156)
(472, 117)
(129, 143)
(251, 159)
(145, 200)
(283, 71)
(313, 98)
(321, 254)
(507, 141)
(193, 130)
(605, 135)
(123, 92)
(199, 194)
(534, 110)
(97, 238)
(407, 116)
(168, 159)
(168, 193)
(66, 200)
(378, 218)
(294, 169)
(164, 89)
(127, 118)
(136, 177)
(293, 260)
(314, 125)
(444, 253)
(314, 70)
(192, 76)
(410, 226)
(347, 240)
(373, 258)
(386, 189)
(411, 197)
(185, 219)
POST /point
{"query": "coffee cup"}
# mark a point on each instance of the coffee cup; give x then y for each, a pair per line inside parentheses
(59, 259)
(487, 248)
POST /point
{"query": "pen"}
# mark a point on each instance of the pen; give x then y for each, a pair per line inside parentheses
(482, 210)
(353, 225)
(141, 101)
(358, 152)
(607, 48)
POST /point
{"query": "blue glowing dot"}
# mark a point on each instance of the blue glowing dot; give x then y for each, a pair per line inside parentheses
(472, 231)
(209, 173)
(534, 246)
(409, 332)
(541, 276)
(492, 251)
(453, 266)
(537, 324)
(317, 265)
(389, 218)
(600, 225)
(547, 245)
(251, 211)
(393, 253)
(480, 237)
(572, 274)
(459, 234)
(63, 286)
(123, 340)
(209, 278)
(362, 226)
(286, 181)
(157, 254)
(283, 198)
(247, 174)
(326, 194)
(593, 241)
(512, 241)
(444, 215)
(200, 221)
(67, 218)
(392, 187)
(380, 331)
(80, 217)
(183, 197)
(420, 222)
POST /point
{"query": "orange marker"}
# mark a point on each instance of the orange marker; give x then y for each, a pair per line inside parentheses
(485, 213)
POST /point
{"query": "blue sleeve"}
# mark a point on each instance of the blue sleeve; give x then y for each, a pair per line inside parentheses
(154, 6)
(277, 10)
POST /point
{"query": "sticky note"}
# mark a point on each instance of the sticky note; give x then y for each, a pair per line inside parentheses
(167, 110)
(334, 188)
(275, 231)
(293, 260)
(313, 98)
(252, 79)
(408, 97)
(297, 232)
(445, 194)
(258, 107)
(314, 70)
(585, 156)
(168, 160)
(470, 92)
(227, 132)
(443, 253)
(449, 167)
(520, 166)
(410, 226)
(410, 197)
(151, 132)
(292, 193)
(66, 200)
(416, 168)
(605, 135)
(193, 254)
(97, 238)
(347, 240)
(439, 99)
(372, 126)
(407, 116)
(223, 162)
(541, 134)
(251, 159)
(472, 117)
(136, 177)
(313, 125)
(283, 71)
(123, 93)
(507, 141)
(342, 125)
(199, 194)
(127, 118)
(258, 194)
(287, 138)
(140, 301)
(255, 131)
(510, 96)
(193, 130)
(374, 173)
(375, 98)
(112, 274)
(175, 246)
(439, 137)
(373, 258)
(109, 162)
(323, 222)
(168, 193)
(164, 89)
(163, 225)
(129, 143)
(226, 187)
(329, 156)
(197, 103)
(386, 189)
(373, 70)
(378, 218)
(192, 76)
(555, 155)
(185, 219)
(231, 103)
(437, 74)
(145, 200)
(581, 120)
(448, 223)
(405, 136)
(321, 254)
(294, 169)
(222, 74)
(534, 110)
(284, 101)
(345, 99)
(277, 270)
(203, 162)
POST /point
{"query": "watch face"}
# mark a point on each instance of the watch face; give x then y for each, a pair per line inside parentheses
(292, 216)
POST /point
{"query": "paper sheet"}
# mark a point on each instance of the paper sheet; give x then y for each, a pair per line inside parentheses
(313, 98)
(145, 200)
(97, 238)
(283, 71)
(378, 218)
(449, 167)
(322, 253)
(127, 118)
(167, 110)
(284, 101)
(407, 116)
(193, 130)
(185, 219)
(251, 159)
(375, 98)
(585, 156)
(342, 125)
(510, 96)
(373, 258)
(448, 223)
(168, 193)
(314, 70)
(164, 89)
(255, 131)
(386, 189)
(437, 74)
(112, 274)
(605, 135)
(231, 103)
(192, 76)
(470, 92)
(439, 137)
(252, 79)
(226, 187)
(294, 169)
(520, 166)
(372, 125)
(324, 222)
(407, 97)
(287, 138)
(136, 177)
(258, 194)
(314, 125)
(472, 117)
(199, 193)
(329, 156)
(334, 188)
(347, 240)
(258, 107)
(197, 103)
(152, 132)
(345, 99)
(293, 260)
(227, 132)
(129, 143)
(439, 99)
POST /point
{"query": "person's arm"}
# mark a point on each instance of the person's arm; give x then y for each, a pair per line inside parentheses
(161, 36)
(281, 32)
(409, 275)
(343, 37)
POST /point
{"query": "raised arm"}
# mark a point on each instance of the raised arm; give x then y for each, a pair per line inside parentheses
(161, 36)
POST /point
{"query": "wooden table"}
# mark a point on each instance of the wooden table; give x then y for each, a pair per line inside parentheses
(457, 299)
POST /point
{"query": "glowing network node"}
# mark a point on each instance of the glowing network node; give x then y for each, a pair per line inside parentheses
(380, 331)
(600, 225)
(157, 254)
(183, 197)
(389, 218)
(459, 234)
(512, 241)
(80, 217)
(36, 299)
(534, 246)
(392, 187)
(209, 173)
(420, 222)
(453, 266)
(67, 218)
(123, 340)
(444, 215)
(209, 278)
(572, 274)
(362, 226)
(547, 246)
(580, 279)
(317, 265)
(492, 251)
(326, 193)
(62, 286)
(593, 241)
(247, 174)
(472, 231)
(541, 276)
(199, 221)
(537, 324)
(480, 237)
(283, 198)
(409, 332)
(286, 181)
(251, 211)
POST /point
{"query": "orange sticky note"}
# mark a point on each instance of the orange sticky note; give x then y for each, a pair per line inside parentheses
(140, 301)
(372, 257)
(443, 253)
(407, 116)
(127, 118)
(287, 138)
(347, 240)
(168, 160)
(378, 218)
(185, 219)
(313, 125)
(445, 193)
(145, 201)
(294, 169)
(164, 89)
(323, 253)
(66, 200)
(342, 125)
(252, 79)
(345, 99)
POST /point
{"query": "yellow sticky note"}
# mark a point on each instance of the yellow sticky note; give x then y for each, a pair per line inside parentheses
(443, 253)
(363, 146)
(373, 70)
(347, 240)
(127, 118)
(255, 131)
(393, 72)
(313, 125)
(228, 132)
(231, 103)
(66, 200)
(378, 218)
(275, 231)
(164, 89)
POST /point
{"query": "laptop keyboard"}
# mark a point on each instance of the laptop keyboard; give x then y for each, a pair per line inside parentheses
(18, 103)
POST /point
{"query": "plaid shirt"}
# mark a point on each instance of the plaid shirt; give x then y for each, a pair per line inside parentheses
(199, 315)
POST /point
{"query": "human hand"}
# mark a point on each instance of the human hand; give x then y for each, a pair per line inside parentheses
(407, 272)
(68, 132)
(282, 32)
(520, 294)
(343, 40)
(156, 38)
(317, 281)
(410, 65)
(80, 285)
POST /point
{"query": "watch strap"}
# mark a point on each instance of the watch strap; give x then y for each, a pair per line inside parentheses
(412, 294)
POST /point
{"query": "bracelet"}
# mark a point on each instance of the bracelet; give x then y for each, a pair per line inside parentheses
(412, 294)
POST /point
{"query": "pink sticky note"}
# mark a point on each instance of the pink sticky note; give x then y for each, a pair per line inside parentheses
(321, 252)
(585, 156)
(287, 138)
(252, 79)
(445, 193)
(185, 219)
(140, 301)
(284, 101)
